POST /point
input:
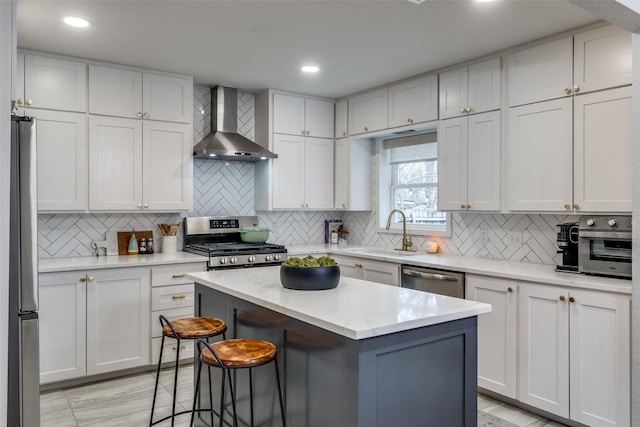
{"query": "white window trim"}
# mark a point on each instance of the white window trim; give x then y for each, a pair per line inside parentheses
(384, 202)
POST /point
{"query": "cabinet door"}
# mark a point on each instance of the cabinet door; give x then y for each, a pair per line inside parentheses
(118, 311)
(368, 112)
(341, 174)
(602, 151)
(288, 172)
(319, 118)
(541, 72)
(600, 359)
(415, 101)
(115, 92)
(483, 162)
(62, 160)
(453, 92)
(115, 163)
(452, 164)
(341, 120)
(349, 267)
(543, 348)
(539, 157)
(288, 114)
(602, 59)
(62, 326)
(19, 85)
(55, 84)
(318, 173)
(380, 272)
(485, 86)
(167, 98)
(167, 166)
(496, 333)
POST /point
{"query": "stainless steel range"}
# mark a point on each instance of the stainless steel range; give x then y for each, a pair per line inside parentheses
(220, 239)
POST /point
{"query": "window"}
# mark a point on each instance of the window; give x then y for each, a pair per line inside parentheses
(413, 182)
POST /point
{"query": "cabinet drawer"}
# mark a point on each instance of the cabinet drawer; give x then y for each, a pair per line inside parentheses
(166, 297)
(174, 274)
(170, 350)
(171, 315)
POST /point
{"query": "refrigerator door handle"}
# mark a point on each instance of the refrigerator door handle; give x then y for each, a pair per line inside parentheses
(30, 371)
(28, 245)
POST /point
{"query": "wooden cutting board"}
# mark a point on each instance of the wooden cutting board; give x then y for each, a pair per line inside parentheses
(124, 236)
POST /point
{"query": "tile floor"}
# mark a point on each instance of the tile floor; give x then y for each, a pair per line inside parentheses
(127, 402)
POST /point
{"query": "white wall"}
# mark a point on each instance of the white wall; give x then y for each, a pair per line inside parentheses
(7, 46)
(635, 308)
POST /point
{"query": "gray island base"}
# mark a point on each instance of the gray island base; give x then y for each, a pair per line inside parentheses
(423, 376)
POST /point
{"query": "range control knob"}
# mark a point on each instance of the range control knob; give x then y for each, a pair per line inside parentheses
(612, 222)
(223, 260)
(251, 258)
(591, 222)
(233, 260)
(277, 257)
(268, 258)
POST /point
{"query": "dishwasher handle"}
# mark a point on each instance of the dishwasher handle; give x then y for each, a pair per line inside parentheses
(434, 276)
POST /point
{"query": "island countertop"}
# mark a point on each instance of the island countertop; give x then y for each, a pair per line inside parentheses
(356, 309)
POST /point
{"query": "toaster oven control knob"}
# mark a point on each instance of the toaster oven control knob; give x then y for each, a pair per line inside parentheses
(251, 258)
(591, 222)
(267, 258)
(612, 222)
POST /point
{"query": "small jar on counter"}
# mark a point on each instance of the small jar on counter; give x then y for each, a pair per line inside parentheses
(150, 245)
(142, 249)
(342, 236)
(334, 237)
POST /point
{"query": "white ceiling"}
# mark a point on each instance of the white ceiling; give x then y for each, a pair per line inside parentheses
(260, 44)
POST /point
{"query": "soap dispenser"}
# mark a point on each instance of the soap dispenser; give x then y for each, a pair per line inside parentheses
(133, 244)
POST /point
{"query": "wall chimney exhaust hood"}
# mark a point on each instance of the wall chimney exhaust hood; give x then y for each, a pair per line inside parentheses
(224, 142)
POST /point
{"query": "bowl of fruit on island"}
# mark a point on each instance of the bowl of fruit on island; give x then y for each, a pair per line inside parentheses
(309, 273)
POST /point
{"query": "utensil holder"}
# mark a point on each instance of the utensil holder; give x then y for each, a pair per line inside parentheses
(169, 244)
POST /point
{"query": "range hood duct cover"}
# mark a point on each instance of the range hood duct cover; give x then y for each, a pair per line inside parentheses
(224, 142)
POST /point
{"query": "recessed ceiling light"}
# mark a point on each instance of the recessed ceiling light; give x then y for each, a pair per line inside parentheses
(484, 1)
(417, 1)
(74, 21)
(310, 69)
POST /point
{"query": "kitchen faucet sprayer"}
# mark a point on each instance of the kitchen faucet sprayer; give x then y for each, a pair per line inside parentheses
(406, 241)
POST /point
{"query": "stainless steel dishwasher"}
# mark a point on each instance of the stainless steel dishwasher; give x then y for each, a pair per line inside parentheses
(442, 282)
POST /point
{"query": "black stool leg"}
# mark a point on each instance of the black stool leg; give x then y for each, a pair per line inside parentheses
(251, 393)
(284, 422)
(195, 397)
(175, 381)
(222, 380)
(155, 390)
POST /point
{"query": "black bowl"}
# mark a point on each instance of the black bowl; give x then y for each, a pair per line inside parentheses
(309, 278)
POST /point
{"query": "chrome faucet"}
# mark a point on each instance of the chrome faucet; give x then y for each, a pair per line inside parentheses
(406, 241)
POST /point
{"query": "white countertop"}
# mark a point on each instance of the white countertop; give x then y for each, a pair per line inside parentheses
(48, 265)
(506, 269)
(356, 309)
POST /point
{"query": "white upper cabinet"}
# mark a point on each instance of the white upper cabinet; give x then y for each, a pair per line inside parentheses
(19, 85)
(368, 112)
(472, 89)
(539, 157)
(593, 60)
(353, 174)
(62, 160)
(341, 121)
(602, 175)
(469, 163)
(55, 84)
(136, 165)
(415, 101)
(303, 173)
(602, 59)
(134, 94)
(541, 72)
(295, 115)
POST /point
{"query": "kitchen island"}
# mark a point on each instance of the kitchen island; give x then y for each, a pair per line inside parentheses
(362, 354)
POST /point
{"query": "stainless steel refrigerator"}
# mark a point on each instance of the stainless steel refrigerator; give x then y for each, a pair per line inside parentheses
(23, 403)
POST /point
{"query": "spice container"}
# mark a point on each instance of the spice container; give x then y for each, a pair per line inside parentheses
(150, 245)
(342, 236)
(142, 249)
(334, 237)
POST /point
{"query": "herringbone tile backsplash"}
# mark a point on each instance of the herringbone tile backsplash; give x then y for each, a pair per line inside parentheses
(227, 188)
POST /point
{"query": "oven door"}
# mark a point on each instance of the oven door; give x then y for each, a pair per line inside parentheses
(605, 253)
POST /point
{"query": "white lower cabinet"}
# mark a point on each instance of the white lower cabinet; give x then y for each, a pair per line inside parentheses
(374, 271)
(574, 353)
(497, 355)
(172, 295)
(93, 322)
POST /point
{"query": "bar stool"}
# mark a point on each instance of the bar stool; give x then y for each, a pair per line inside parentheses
(190, 328)
(242, 353)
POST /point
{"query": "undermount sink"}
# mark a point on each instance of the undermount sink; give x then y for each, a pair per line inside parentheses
(396, 252)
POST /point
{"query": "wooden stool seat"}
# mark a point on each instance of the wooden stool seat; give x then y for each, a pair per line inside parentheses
(195, 327)
(242, 352)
